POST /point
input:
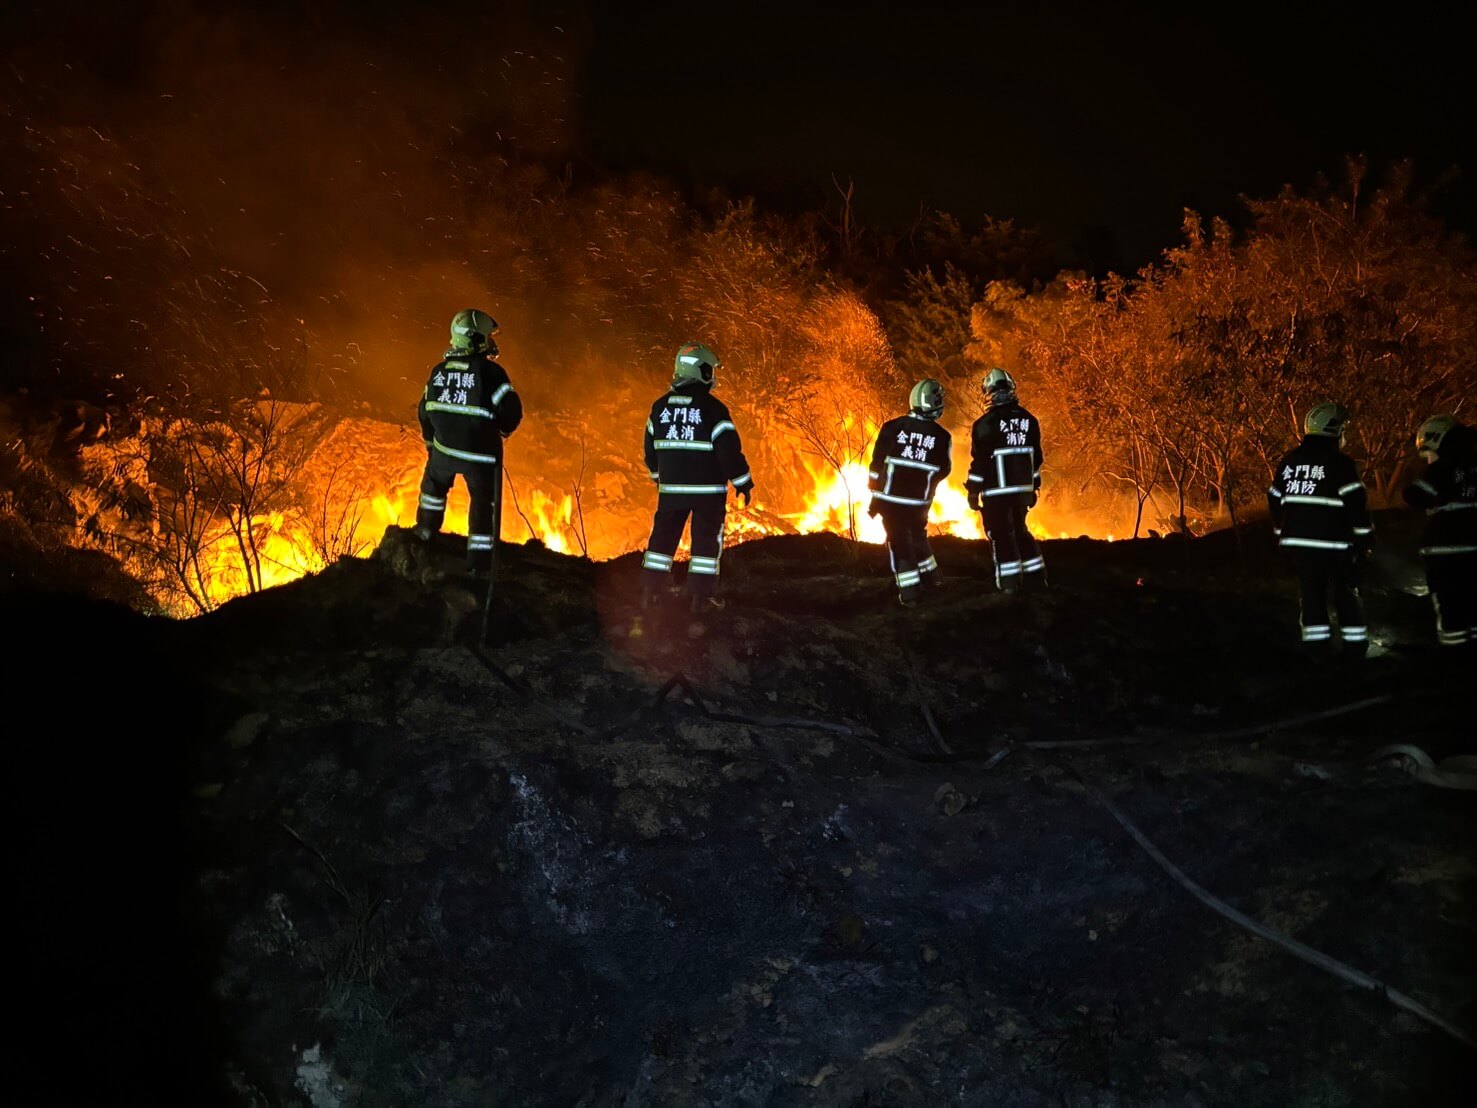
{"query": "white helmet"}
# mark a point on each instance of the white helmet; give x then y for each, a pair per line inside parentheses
(1434, 431)
(927, 399)
(472, 330)
(998, 385)
(1327, 420)
(695, 362)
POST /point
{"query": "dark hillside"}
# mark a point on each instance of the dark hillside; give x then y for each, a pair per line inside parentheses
(321, 847)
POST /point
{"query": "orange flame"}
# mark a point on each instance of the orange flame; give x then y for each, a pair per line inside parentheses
(838, 501)
(600, 526)
(278, 552)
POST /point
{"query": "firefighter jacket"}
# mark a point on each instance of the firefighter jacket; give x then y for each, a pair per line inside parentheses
(1448, 492)
(468, 408)
(692, 447)
(910, 460)
(1316, 499)
(1005, 452)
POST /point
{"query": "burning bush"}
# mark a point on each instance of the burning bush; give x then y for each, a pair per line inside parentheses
(1193, 377)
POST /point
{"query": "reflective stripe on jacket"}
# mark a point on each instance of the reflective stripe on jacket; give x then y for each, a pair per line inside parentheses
(910, 459)
(691, 445)
(1005, 452)
(468, 407)
(1448, 492)
(1316, 500)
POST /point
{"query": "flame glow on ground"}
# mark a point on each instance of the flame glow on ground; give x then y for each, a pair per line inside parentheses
(835, 503)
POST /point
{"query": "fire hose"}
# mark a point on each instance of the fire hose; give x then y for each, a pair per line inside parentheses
(1456, 772)
(1307, 953)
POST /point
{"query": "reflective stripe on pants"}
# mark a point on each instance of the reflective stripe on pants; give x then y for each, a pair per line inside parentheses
(1012, 545)
(667, 525)
(482, 489)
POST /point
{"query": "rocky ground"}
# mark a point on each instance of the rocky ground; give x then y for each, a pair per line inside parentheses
(324, 847)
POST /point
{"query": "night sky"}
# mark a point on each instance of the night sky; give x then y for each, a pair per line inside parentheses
(1089, 118)
(1097, 122)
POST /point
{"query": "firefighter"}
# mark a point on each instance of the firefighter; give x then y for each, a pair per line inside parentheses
(1320, 515)
(1004, 481)
(1448, 492)
(693, 453)
(910, 460)
(466, 410)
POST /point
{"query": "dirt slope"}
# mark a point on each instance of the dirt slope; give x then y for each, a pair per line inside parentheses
(413, 870)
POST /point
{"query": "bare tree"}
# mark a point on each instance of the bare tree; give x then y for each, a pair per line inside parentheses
(513, 492)
(334, 513)
(187, 536)
(845, 227)
(579, 508)
(223, 484)
(832, 431)
(253, 466)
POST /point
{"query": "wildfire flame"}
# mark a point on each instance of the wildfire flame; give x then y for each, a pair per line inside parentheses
(838, 501)
(830, 499)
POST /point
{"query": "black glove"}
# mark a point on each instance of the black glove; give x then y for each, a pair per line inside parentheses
(1364, 544)
(1032, 502)
(746, 492)
(974, 500)
(872, 508)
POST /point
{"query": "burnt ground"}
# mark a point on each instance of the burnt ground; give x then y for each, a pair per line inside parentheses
(322, 848)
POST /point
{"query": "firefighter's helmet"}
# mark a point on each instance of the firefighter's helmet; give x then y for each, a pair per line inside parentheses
(472, 330)
(997, 381)
(1433, 432)
(927, 399)
(1327, 420)
(695, 362)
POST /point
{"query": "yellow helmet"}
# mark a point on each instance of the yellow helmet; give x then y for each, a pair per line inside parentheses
(1433, 431)
(1326, 419)
(472, 330)
(695, 362)
(927, 398)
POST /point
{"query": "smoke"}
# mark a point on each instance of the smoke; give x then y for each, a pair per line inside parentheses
(204, 202)
(331, 169)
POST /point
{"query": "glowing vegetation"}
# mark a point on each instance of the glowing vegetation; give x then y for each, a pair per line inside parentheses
(252, 295)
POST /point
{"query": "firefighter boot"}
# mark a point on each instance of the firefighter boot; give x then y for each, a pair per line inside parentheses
(651, 591)
(1318, 655)
(423, 532)
(647, 599)
(908, 596)
(1346, 668)
(1010, 583)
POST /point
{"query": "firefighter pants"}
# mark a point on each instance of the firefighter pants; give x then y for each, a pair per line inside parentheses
(913, 563)
(482, 483)
(666, 534)
(1322, 571)
(1012, 545)
(1452, 580)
